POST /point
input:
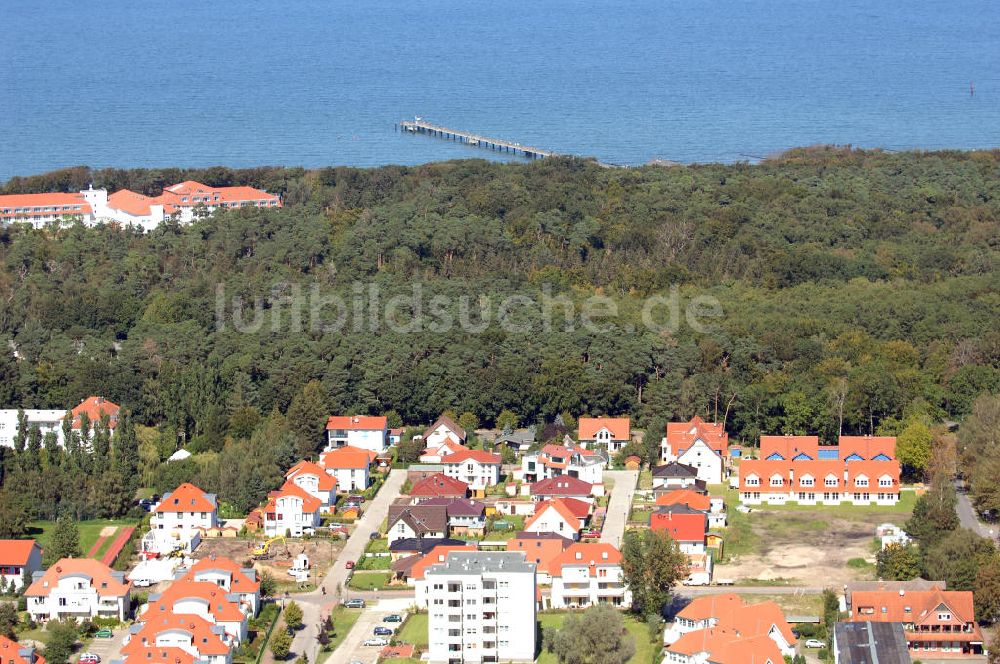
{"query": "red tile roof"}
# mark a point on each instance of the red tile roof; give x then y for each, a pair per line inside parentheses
(439, 485)
(10, 653)
(95, 408)
(197, 193)
(867, 447)
(240, 582)
(685, 497)
(681, 435)
(620, 427)
(436, 556)
(592, 556)
(539, 551)
(479, 456)
(559, 505)
(136, 204)
(347, 457)
(101, 578)
(819, 471)
(789, 446)
(289, 489)
(563, 485)
(203, 639)
(357, 423)
(741, 631)
(923, 605)
(154, 655)
(325, 481)
(186, 498)
(16, 552)
(681, 527)
(74, 204)
(218, 605)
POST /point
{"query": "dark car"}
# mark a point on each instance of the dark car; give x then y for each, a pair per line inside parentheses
(355, 603)
(355, 498)
(373, 536)
(382, 631)
(393, 617)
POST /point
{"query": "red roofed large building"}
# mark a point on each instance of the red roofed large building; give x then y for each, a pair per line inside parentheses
(561, 487)
(314, 480)
(937, 623)
(95, 408)
(189, 633)
(12, 652)
(350, 465)
(42, 209)
(562, 516)
(204, 599)
(559, 460)
(699, 444)
(439, 485)
(185, 511)
(18, 557)
(685, 525)
(226, 574)
(290, 511)
(588, 574)
(611, 432)
(79, 588)
(821, 481)
(477, 468)
(722, 628)
(361, 431)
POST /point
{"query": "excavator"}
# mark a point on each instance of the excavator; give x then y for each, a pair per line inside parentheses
(262, 550)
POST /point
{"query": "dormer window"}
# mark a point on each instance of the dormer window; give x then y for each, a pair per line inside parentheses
(830, 481)
(944, 615)
(777, 480)
(861, 481)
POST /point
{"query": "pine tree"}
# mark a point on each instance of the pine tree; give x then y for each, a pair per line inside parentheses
(307, 417)
(126, 452)
(21, 435)
(65, 542)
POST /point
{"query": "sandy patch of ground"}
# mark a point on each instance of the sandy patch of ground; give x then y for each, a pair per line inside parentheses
(107, 531)
(321, 552)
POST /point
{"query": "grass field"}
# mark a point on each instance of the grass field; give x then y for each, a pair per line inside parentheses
(343, 621)
(414, 630)
(89, 531)
(791, 604)
(645, 650)
(370, 581)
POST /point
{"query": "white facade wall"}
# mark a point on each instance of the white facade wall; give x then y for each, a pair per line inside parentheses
(184, 522)
(551, 521)
(199, 607)
(289, 517)
(15, 574)
(576, 588)
(477, 475)
(310, 484)
(45, 420)
(350, 479)
(74, 597)
(709, 464)
(224, 579)
(440, 435)
(374, 440)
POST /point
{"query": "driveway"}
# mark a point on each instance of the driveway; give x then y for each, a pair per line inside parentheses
(312, 603)
(619, 505)
(108, 649)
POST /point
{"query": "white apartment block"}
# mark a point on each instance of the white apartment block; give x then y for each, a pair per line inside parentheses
(46, 421)
(589, 574)
(476, 468)
(79, 589)
(360, 431)
(481, 608)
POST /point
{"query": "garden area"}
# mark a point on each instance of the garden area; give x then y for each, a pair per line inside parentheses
(648, 645)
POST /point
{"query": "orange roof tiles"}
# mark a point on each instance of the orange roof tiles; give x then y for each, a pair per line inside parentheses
(10, 653)
(240, 582)
(154, 655)
(190, 193)
(740, 633)
(290, 489)
(592, 556)
(819, 470)
(203, 638)
(101, 576)
(134, 203)
(219, 606)
(439, 484)
(16, 552)
(682, 526)
(356, 423)
(539, 551)
(561, 508)
(685, 497)
(96, 408)
(620, 427)
(922, 605)
(186, 498)
(19, 205)
(436, 556)
(708, 606)
(479, 456)
(867, 447)
(325, 481)
(347, 457)
(681, 435)
(789, 446)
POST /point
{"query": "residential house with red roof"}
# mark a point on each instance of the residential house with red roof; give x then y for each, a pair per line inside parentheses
(444, 430)
(698, 444)
(558, 460)
(40, 210)
(563, 486)
(937, 624)
(314, 480)
(12, 652)
(723, 628)
(820, 481)
(712, 506)
(17, 558)
(439, 485)
(360, 431)
(477, 468)
(351, 466)
(180, 518)
(95, 408)
(291, 511)
(612, 433)
(204, 599)
(562, 516)
(199, 638)
(685, 525)
(540, 548)
(808, 448)
(588, 574)
(416, 522)
(225, 573)
(434, 453)
(79, 589)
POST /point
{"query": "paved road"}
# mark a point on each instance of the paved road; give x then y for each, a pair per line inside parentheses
(619, 505)
(315, 603)
(967, 514)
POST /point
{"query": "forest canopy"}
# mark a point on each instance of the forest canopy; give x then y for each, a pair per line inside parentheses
(856, 289)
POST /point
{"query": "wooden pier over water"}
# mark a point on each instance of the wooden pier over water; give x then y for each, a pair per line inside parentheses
(420, 126)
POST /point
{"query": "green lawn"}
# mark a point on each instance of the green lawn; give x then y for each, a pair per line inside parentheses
(907, 499)
(375, 562)
(645, 650)
(371, 581)
(377, 546)
(796, 605)
(89, 531)
(414, 631)
(343, 621)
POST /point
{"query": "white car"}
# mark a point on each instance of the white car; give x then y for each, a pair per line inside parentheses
(815, 643)
(378, 641)
(743, 508)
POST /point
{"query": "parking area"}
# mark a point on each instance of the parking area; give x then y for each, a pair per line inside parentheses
(352, 650)
(108, 649)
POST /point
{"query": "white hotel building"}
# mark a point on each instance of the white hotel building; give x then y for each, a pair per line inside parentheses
(481, 608)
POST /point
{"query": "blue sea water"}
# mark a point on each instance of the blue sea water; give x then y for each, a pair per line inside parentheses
(316, 82)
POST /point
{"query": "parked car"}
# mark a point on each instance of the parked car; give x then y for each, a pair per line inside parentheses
(815, 643)
(104, 633)
(591, 534)
(309, 531)
(393, 617)
(355, 603)
(374, 536)
(355, 498)
(377, 641)
(89, 658)
(142, 583)
(382, 631)
(744, 508)
(349, 564)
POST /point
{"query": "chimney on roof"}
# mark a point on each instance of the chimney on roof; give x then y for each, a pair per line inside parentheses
(579, 555)
(902, 592)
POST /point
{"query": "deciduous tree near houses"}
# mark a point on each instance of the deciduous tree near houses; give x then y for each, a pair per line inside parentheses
(653, 564)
